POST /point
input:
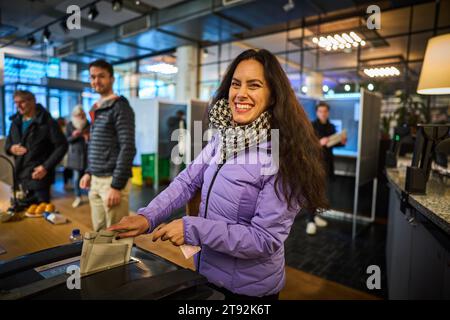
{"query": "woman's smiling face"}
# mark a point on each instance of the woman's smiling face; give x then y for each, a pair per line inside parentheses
(249, 93)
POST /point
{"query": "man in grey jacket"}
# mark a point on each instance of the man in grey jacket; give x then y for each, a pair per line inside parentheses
(111, 150)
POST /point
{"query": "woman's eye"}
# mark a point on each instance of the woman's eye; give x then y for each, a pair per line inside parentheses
(235, 84)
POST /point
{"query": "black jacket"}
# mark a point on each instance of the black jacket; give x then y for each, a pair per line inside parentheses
(326, 130)
(77, 155)
(112, 146)
(45, 143)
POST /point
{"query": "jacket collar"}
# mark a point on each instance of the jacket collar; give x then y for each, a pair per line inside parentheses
(108, 103)
(40, 117)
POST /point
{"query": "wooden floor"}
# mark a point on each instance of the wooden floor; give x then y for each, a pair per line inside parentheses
(299, 285)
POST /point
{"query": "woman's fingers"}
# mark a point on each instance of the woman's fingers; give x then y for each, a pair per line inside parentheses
(132, 233)
(159, 232)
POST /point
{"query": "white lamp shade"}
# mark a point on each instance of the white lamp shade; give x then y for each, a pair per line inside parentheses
(435, 75)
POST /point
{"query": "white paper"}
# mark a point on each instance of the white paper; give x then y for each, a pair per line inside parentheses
(336, 138)
(188, 250)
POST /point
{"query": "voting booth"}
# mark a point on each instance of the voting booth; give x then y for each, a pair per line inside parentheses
(359, 115)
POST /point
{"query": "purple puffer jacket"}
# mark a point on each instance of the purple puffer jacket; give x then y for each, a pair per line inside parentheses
(242, 236)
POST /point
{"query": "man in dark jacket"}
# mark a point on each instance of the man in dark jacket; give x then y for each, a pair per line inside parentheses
(324, 129)
(111, 150)
(37, 144)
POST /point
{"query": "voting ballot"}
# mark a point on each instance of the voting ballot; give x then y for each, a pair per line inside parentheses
(101, 250)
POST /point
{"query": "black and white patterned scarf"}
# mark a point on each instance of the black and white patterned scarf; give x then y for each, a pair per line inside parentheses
(236, 138)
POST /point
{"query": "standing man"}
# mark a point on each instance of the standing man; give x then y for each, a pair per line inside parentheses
(324, 129)
(37, 144)
(111, 150)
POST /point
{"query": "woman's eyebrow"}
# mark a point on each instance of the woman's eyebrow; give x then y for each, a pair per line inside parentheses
(255, 80)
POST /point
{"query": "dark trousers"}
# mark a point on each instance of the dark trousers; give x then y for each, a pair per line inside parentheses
(40, 195)
(67, 175)
(234, 296)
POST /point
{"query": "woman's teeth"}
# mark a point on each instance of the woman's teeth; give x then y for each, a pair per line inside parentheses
(243, 106)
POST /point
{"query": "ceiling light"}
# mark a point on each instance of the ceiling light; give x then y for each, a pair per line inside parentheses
(325, 88)
(304, 89)
(347, 87)
(31, 41)
(93, 13)
(163, 68)
(355, 36)
(370, 87)
(340, 39)
(382, 72)
(137, 2)
(347, 38)
(63, 25)
(289, 6)
(46, 35)
(117, 5)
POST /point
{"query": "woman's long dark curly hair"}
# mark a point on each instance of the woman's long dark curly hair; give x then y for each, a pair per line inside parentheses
(301, 168)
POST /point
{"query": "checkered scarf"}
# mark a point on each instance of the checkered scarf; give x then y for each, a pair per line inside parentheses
(237, 138)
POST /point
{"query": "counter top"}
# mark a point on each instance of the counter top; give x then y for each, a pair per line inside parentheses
(435, 205)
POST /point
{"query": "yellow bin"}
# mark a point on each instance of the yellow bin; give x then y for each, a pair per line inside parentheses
(137, 176)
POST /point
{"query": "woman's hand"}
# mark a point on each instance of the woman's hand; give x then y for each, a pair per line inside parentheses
(173, 231)
(131, 226)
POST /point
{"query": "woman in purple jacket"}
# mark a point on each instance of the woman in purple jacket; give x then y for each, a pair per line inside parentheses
(247, 208)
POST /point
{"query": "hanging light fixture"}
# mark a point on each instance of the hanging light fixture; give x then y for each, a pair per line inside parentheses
(31, 41)
(93, 13)
(117, 5)
(63, 25)
(46, 34)
(382, 72)
(339, 41)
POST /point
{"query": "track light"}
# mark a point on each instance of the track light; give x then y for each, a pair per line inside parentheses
(46, 35)
(31, 41)
(63, 25)
(117, 5)
(93, 13)
(347, 87)
(289, 6)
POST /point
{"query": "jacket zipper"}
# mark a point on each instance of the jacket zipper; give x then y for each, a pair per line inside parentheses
(206, 206)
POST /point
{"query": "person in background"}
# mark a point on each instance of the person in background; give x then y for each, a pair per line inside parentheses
(77, 133)
(111, 150)
(37, 144)
(67, 172)
(174, 123)
(246, 212)
(324, 129)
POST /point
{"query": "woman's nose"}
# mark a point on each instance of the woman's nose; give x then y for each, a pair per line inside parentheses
(242, 92)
